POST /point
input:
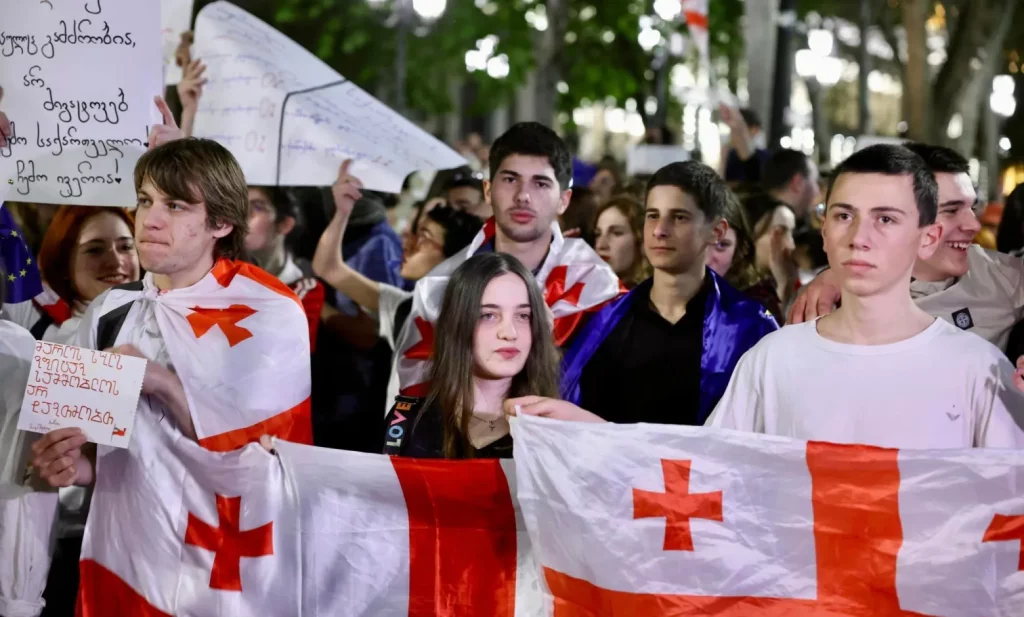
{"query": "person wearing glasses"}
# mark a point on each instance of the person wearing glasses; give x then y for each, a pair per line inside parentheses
(442, 232)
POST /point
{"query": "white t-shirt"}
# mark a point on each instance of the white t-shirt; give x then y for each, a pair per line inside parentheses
(987, 301)
(390, 299)
(942, 388)
(26, 314)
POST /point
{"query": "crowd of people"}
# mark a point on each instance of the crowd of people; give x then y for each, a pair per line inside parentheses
(511, 290)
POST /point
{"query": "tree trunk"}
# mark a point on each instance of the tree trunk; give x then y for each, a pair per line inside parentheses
(759, 36)
(990, 131)
(917, 89)
(819, 122)
(864, 62)
(548, 51)
(782, 84)
(973, 101)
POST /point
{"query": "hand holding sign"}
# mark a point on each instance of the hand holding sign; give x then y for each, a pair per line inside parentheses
(59, 459)
(94, 391)
(5, 124)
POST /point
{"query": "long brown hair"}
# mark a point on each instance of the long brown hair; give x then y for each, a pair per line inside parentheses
(633, 210)
(743, 272)
(452, 373)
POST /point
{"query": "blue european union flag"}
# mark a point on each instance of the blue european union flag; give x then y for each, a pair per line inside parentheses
(21, 275)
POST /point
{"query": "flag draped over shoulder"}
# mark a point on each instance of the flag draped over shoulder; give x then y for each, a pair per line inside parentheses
(238, 340)
(575, 281)
(589, 520)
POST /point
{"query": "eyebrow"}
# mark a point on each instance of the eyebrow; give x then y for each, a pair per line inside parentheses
(875, 210)
(495, 306)
(671, 211)
(958, 203)
(513, 174)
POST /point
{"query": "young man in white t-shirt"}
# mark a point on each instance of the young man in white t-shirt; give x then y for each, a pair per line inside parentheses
(879, 370)
(975, 289)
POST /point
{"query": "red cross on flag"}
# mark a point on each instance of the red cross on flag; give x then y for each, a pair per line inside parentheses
(658, 520)
(696, 14)
(589, 520)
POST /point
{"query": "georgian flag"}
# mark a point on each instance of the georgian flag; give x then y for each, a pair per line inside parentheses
(574, 278)
(595, 520)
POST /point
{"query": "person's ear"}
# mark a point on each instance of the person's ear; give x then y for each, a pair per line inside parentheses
(718, 230)
(931, 236)
(563, 203)
(286, 225)
(222, 230)
(487, 192)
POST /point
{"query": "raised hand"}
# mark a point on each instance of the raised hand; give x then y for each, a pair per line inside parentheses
(166, 132)
(347, 190)
(190, 88)
(818, 298)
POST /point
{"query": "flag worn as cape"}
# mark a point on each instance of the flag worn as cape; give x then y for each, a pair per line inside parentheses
(574, 279)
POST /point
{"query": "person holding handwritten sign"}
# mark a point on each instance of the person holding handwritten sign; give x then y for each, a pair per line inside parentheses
(227, 343)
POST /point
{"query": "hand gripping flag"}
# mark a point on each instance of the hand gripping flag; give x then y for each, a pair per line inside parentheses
(659, 520)
(17, 263)
(574, 279)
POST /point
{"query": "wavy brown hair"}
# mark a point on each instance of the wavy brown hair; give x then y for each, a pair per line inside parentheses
(743, 272)
(452, 373)
(633, 210)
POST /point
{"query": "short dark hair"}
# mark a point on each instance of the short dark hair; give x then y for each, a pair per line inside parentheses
(781, 166)
(201, 170)
(893, 160)
(465, 176)
(459, 227)
(697, 180)
(533, 139)
(940, 159)
(283, 203)
(751, 118)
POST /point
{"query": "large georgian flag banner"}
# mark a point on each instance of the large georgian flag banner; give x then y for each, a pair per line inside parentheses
(660, 520)
(589, 520)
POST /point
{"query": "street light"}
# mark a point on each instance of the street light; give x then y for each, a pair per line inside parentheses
(1001, 100)
(668, 10)
(407, 12)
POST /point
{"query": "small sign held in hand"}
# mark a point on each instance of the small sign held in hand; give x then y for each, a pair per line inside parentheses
(95, 391)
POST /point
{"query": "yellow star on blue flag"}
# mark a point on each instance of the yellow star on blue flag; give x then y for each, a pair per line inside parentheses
(17, 258)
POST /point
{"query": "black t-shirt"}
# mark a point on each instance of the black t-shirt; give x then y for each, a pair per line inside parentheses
(647, 369)
(414, 430)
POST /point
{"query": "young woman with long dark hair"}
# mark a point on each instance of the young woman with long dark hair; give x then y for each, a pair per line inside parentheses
(492, 342)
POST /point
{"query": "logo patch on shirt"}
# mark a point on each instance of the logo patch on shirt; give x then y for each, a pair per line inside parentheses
(963, 320)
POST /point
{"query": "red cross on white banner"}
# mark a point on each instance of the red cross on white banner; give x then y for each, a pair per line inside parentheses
(229, 543)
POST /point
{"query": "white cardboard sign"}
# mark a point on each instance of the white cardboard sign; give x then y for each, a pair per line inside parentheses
(79, 79)
(290, 119)
(96, 391)
(649, 158)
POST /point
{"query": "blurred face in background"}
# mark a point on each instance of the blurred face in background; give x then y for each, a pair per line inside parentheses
(264, 229)
(104, 256)
(426, 251)
(959, 223)
(782, 223)
(721, 254)
(614, 241)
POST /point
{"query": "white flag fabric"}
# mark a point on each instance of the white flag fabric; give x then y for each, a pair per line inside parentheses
(26, 516)
(312, 532)
(662, 520)
(238, 340)
(575, 281)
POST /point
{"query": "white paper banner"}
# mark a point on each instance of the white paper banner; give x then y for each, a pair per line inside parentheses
(290, 119)
(175, 18)
(649, 158)
(95, 391)
(79, 80)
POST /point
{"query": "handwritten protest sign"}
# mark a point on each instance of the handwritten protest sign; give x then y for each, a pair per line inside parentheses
(649, 158)
(290, 119)
(79, 80)
(175, 18)
(95, 391)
